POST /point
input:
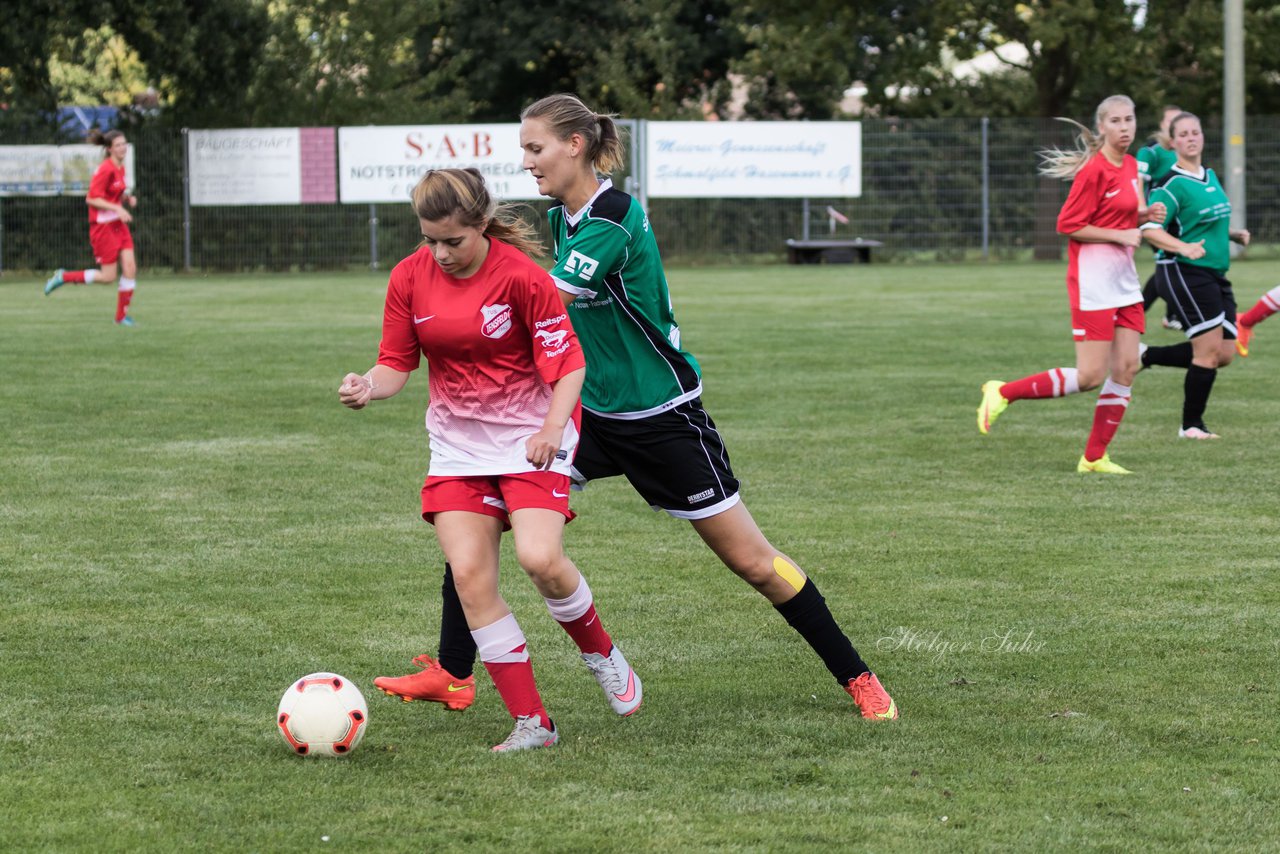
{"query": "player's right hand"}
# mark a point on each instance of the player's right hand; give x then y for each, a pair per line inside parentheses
(1192, 251)
(1130, 237)
(355, 392)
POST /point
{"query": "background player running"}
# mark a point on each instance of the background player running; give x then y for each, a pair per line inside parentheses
(1100, 218)
(1191, 271)
(109, 234)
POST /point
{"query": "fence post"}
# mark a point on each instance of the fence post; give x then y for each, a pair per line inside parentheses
(804, 216)
(986, 190)
(642, 162)
(373, 236)
(186, 203)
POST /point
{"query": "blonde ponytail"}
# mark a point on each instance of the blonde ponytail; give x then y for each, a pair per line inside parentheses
(1057, 163)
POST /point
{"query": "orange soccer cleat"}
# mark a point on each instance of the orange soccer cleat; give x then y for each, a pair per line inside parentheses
(1244, 334)
(432, 684)
(872, 699)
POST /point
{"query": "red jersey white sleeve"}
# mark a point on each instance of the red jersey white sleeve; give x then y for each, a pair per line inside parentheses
(106, 183)
(494, 342)
(1102, 275)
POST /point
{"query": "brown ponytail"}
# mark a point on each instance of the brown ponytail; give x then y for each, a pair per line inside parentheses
(98, 137)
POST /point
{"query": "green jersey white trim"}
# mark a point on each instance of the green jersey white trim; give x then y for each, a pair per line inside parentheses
(1198, 210)
(607, 257)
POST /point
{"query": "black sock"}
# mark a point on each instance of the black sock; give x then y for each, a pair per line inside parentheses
(1149, 294)
(1173, 356)
(808, 614)
(1195, 396)
(457, 653)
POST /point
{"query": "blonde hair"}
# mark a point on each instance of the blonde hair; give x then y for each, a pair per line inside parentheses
(1057, 163)
(566, 115)
(443, 193)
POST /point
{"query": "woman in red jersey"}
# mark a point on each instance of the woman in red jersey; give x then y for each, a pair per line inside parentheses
(1100, 218)
(505, 374)
(108, 228)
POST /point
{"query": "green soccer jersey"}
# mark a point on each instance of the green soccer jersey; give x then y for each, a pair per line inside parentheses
(1198, 210)
(607, 256)
(1154, 162)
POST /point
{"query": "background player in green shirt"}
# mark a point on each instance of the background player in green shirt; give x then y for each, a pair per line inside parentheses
(1155, 159)
(1191, 271)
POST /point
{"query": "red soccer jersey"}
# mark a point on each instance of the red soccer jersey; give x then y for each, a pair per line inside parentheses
(1102, 275)
(107, 183)
(494, 343)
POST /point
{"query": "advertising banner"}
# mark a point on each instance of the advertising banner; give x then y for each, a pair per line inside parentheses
(753, 159)
(382, 164)
(246, 166)
(53, 170)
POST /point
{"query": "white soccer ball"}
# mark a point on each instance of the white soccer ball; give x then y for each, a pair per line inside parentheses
(322, 714)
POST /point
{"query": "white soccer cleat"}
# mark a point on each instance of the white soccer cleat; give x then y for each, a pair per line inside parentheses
(620, 683)
(529, 734)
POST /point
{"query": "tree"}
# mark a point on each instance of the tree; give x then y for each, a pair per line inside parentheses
(198, 53)
(644, 58)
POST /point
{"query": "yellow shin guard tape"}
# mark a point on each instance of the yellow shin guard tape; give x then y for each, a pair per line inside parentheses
(789, 573)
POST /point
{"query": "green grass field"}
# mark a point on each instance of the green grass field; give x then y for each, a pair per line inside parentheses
(189, 521)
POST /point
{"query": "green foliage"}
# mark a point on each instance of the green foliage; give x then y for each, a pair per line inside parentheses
(650, 59)
(306, 62)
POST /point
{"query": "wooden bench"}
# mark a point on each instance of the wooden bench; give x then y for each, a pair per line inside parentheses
(831, 251)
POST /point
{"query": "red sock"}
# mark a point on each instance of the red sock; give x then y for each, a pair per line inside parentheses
(1113, 401)
(73, 277)
(588, 633)
(1264, 308)
(515, 684)
(1052, 383)
(123, 298)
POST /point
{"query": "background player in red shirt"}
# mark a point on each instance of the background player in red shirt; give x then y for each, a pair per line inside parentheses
(505, 374)
(1100, 217)
(108, 227)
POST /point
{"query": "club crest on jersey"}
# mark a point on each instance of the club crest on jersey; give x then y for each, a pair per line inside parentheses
(497, 320)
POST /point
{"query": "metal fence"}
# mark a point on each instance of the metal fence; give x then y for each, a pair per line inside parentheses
(933, 189)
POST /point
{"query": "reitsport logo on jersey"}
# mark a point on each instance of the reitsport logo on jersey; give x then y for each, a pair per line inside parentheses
(583, 265)
(553, 343)
(497, 320)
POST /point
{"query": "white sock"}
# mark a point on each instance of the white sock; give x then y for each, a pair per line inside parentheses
(498, 641)
(572, 606)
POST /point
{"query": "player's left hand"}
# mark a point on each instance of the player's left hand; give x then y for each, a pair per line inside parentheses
(132, 200)
(1241, 236)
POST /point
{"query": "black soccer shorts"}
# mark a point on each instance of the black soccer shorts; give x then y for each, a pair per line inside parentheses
(676, 460)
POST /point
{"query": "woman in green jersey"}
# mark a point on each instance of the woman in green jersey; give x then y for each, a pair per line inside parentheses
(1191, 267)
(642, 414)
